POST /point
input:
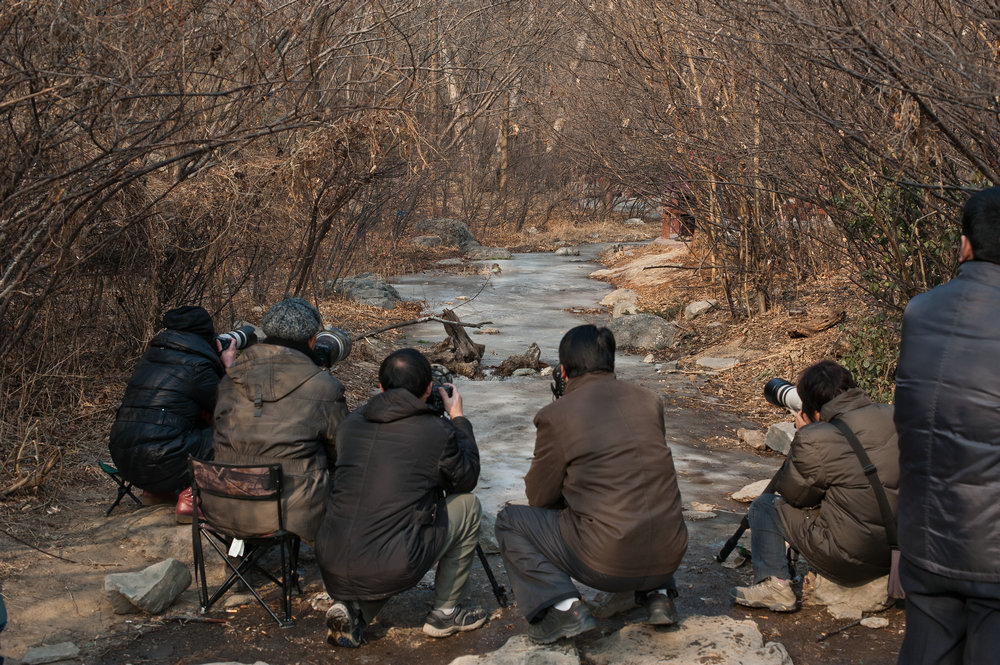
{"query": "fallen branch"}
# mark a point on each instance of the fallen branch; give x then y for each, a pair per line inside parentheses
(668, 265)
(854, 623)
(183, 619)
(55, 556)
(413, 322)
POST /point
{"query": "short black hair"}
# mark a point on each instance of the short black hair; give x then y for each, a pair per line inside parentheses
(587, 349)
(820, 383)
(405, 368)
(981, 224)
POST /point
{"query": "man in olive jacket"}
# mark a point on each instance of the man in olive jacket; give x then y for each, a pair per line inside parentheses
(401, 502)
(604, 504)
(948, 417)
(827, 509)
(276, 405)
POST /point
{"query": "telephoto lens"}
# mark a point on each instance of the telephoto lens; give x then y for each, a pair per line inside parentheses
(332, 346)
(242, 337)
(782, 393)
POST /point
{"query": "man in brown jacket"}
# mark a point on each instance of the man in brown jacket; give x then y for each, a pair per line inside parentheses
(276, 405)
(827, 509)
(604, 504)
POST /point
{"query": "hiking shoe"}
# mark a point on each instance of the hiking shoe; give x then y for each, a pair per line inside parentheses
(184, 511)
(773, 593)
(439, 624)
(660, 610)
(557, 624)
(345, 626)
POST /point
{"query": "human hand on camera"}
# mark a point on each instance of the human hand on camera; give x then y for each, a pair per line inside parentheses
(801, 419)
(228, 357)
(453, 402)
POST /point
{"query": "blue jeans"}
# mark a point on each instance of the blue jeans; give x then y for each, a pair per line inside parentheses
(767, 540)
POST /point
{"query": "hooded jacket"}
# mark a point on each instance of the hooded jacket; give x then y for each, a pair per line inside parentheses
(386, 520)
(830, 513)
(166, 411)
(601, 456)
(948, 417)
(276, 406)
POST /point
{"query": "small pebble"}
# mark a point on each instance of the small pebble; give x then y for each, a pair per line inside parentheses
(874, 622)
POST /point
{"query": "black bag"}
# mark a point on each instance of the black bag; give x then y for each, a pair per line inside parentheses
(895, 587)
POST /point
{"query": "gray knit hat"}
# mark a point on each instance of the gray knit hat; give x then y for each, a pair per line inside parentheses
(292, 319)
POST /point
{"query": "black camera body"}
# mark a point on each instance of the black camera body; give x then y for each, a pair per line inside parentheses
(782, 393)
(332, 345)
(439, 376)
(242, 337)
(558, 382)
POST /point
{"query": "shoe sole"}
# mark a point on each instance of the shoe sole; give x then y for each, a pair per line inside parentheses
(184, 519)
(451, 630)
(584, 626)
(340, 633)
(661, 619)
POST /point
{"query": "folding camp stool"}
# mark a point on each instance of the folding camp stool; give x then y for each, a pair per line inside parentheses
(124, 486)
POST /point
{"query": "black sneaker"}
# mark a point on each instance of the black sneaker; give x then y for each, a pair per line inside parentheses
(346, 628)
(557, 624)
(660, 610)
(439, 624)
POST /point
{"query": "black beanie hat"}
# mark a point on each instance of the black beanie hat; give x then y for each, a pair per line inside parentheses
(190, 318)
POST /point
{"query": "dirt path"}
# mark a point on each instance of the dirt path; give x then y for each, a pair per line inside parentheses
(536, 297)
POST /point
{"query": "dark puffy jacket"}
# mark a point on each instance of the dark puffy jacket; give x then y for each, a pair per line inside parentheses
(166, 411)
(601, 456)
(948, 417)
(386, 520)
(830, 512)
(276, 406)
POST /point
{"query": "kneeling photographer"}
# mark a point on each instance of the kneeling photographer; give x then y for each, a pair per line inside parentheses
(276, 404)
(827, 510)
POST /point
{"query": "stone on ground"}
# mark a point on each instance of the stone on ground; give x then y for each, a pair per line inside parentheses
(699, 639)
(567, 251)
(520, 650)
(750, 492)
(428, 241)
(451, 231)
(845, 602)
(51, 653)
(696, 309)
(874, 622)
(620, 295)
(634, 221)
(644, 331)
(151, 590)
(367, 288)
(752, 437)
(477, 252)
(624, 309)
(779, 437)
(717, 363)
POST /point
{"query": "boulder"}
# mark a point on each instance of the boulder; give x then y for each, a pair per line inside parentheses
(717, 363)
(529, 359)
(696, 309)
(151, 590)
(477, 252)
(567, 251)
(366, 288)
(779, 437)
(644, 331)
(634, 221)
(624, 308)
(524, 371)
(428, 241)
(750, 492)
(752, 437)
(620, 295)
(451, 231)
(520, 650)
(51, 653)
(845, 602)
(698, 639)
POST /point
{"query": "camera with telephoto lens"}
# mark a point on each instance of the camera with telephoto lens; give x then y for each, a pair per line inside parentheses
(439, 376)
(332, 346)
(558, 382)
(782, 393)
(242, 337)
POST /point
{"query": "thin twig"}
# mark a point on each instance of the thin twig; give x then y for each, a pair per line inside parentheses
(182, 619)
(854, 623)
(56, 556)
(413, 322)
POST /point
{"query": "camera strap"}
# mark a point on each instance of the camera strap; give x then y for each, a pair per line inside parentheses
(872, 474)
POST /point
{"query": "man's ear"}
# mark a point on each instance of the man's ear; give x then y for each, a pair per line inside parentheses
(965, 250)
(427, 393)
(312, 342)
(381, 389)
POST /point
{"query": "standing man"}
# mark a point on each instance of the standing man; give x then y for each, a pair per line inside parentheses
(604, 504)
(401, 502)
(948, 418)
(277, 406)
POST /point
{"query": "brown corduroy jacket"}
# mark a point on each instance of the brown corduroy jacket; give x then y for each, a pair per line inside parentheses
(601, 456)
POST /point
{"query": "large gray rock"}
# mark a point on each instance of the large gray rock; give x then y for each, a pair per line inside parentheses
(520, 650)
(644, 331)
(151, 590)
(752, 437)
(779, 437)
(567, 251)
(624, 308)
(50, 653)
(451, 231)
(698, 639)
(367, 288)
(620, 295)
(428, 241)
(477, 252)
(696, 309)
(845, 602)
(750, 492)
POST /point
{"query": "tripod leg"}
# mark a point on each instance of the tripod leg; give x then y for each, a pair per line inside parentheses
(498, 591)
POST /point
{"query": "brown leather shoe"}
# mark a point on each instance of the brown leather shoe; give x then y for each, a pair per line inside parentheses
(185, 507)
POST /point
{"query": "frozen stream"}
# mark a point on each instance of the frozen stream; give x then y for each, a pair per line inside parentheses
(529, 302)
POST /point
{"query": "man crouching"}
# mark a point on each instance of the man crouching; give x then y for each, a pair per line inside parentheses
(401, 502)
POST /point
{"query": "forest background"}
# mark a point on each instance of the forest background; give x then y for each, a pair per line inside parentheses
(228, 152)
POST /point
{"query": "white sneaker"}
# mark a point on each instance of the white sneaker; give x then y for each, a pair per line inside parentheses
(773, 593)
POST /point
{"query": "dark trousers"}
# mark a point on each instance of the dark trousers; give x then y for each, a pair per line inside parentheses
(948, 621)
(541, 568)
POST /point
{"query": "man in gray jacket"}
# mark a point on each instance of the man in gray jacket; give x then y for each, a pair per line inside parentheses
(604, 504)
(948, 418)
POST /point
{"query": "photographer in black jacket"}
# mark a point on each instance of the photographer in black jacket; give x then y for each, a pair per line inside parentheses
(167, 408)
